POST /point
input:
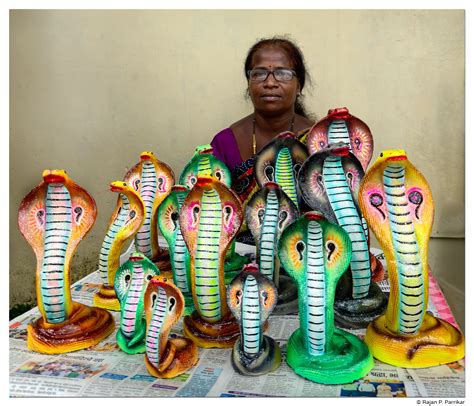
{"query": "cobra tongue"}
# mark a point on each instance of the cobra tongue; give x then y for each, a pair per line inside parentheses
(340, 151)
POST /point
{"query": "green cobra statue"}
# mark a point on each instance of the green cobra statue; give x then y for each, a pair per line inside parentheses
(204, 163)
(130, 285)
(168, 223)
(315, 253)
(280, 161)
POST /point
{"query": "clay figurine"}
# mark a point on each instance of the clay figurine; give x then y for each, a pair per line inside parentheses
(124, 223)
(204, 163)
(396, 200)
(54, 217)
(267, 213)
(166, 357)
(329, 181)
(153, 180)
(251, 297)
(131, 281)
(316, 253)
(210, 218)
(280, 161)
(168, 223)
(341, 126)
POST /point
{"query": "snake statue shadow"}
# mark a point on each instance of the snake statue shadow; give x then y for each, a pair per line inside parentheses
(329, 181)
(131, 281)
(204, 163)
(267, 213)
(396, 201)
(251, 297)
(124, 223)
(168, 223)
(341, 126)
(210, 218)
(153, 180)
(164, 305)
(316, 253)
(54, 217)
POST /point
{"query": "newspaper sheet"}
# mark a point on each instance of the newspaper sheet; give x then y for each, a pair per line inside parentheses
(105, 371)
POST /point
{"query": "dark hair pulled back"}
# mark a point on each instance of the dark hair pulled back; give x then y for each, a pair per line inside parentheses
(293, 53)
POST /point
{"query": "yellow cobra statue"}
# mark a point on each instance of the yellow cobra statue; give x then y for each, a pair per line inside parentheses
(396, 201)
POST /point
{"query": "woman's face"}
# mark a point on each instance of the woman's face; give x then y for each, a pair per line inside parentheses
(270, 96)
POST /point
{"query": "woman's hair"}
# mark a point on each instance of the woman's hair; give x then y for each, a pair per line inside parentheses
(294, 55)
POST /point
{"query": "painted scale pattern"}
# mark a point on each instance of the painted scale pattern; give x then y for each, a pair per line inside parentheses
(268, 235)
(204, 166)
(58, 215)
(316, 292)
(207, 257)
(180, 253)
(411, 285)
(122, 216)
(341, 201)
(154, 331)
(129, 314)
(148, 193)
(251, 334)
(338, 132)
(284, 175)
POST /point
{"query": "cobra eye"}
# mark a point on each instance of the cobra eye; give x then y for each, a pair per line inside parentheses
(283, 216)
(330, 247)
(193, 180)
(376, 200)
(381, 154)
(127, 279)
(174, 218)
(269, 172)
(416, 198)
(300, 247)
(161, 183)
(321, 144)
(148, 277)
(260, 214)
(40, 215)
(238, 295)
(218, 175)
(172, 303)
(265, 297)
(357, 143)
(153, 299)
(136, 184)
(132, 214)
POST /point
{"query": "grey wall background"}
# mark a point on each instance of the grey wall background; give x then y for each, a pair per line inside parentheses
(91, 89)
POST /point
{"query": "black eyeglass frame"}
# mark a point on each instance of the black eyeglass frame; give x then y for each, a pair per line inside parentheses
(271, 72)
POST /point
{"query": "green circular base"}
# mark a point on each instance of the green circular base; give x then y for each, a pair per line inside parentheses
(134, 346)
(349, 359)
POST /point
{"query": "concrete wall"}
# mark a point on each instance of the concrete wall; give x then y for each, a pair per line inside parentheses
(90, 90)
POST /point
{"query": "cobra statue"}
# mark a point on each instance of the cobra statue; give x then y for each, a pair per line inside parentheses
(164, 305)
(204, 163)
(280, 161)
(168, 223)
(124, 223)
(131, 281)
(210, 218)
(267, 213)
(153, 180)
(329, 181)
(340, 126)
(54, 217)
(396, 201)
(251, 297)
(316, 253)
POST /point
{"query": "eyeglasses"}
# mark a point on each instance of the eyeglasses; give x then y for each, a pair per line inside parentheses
(281, 75)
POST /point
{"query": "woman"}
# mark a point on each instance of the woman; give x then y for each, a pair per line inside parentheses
(276, 75)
